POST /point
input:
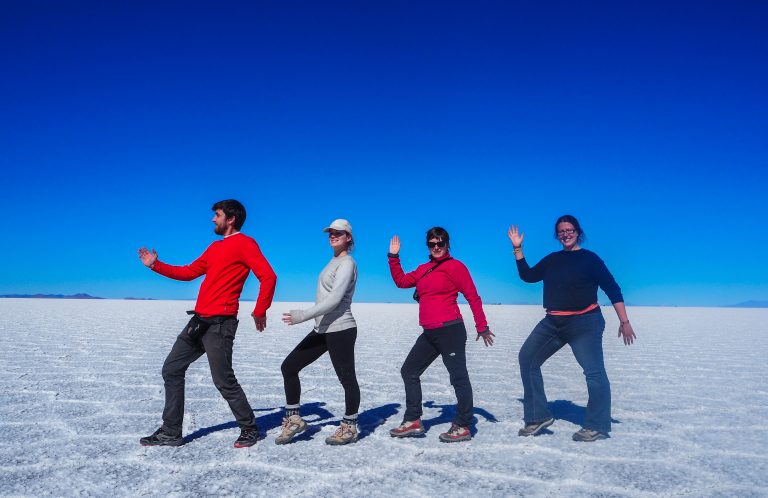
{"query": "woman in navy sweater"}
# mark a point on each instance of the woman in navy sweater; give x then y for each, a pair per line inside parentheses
(571, 278)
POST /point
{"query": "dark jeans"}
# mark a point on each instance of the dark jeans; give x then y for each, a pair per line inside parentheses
(584, 334)
(217, 343)
(450, 342)
(341, 348)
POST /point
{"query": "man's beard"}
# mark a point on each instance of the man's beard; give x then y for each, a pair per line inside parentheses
(218, 229)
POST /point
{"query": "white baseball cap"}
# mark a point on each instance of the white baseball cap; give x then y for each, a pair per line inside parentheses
(341, 225)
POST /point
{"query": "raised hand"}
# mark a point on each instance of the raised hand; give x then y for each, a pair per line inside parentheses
(515, 236)
(394, 245)
(147, 257)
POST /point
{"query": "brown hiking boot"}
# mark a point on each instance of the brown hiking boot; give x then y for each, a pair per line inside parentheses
(345, 434)
(291, 426)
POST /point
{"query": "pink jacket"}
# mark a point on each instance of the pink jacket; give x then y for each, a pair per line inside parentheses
(438, 291)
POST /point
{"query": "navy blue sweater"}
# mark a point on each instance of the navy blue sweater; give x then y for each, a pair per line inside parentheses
(571, 279)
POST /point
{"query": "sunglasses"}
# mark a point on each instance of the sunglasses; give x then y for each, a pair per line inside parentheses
(432, 245)
(336, 234)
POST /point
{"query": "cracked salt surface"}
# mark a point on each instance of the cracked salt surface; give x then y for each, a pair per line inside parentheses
(81, 383)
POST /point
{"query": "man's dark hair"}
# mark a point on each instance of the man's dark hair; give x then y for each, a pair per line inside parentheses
(232, 209)
(567, 218)
(439, 233)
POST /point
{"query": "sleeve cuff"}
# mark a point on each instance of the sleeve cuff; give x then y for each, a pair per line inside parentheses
(390, 255)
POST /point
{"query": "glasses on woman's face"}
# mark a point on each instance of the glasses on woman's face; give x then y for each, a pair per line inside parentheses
(336, 235)
(568, 231)
(432, 245)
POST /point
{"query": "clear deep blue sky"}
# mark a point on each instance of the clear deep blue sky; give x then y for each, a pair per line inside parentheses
(122, 122)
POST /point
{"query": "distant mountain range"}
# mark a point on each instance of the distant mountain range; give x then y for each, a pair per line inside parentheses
(52, 296)
(750, 304)
(64, 296)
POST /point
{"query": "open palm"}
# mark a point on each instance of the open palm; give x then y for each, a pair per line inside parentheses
(515, 236)
(394, 245)
(147, 257)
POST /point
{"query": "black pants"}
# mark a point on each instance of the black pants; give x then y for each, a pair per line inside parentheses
(449, 342)
(217, 343)
(341, 348)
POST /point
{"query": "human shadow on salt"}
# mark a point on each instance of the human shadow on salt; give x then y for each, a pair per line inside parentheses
(367, 422)
(569, 411)
(447, 412)
(312, 411)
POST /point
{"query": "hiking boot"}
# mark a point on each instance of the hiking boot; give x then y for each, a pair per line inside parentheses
(588, 435)
(345, 434)
(248, 437)
(455, 434)
(408, 429)
(535, 427)
(291, 426)
(161, 438)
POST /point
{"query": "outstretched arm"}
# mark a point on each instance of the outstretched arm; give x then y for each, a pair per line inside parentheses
(185, 273)
(345, 275)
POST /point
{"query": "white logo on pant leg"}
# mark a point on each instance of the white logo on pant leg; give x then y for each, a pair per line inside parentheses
(452, 354)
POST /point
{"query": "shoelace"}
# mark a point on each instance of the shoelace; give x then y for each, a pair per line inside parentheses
(343, 430)
(455, 429)
(287, 426)
(247, 433)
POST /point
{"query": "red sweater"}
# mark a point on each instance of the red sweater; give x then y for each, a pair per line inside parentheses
(225, 265)
(438, 292)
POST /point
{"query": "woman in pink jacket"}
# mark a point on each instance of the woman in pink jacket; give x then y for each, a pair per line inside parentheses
(438, 283)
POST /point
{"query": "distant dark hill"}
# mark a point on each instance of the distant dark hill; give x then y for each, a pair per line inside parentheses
(50, 296)
(750, 304)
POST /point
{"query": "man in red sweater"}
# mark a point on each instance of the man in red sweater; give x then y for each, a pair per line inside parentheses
(225, 264)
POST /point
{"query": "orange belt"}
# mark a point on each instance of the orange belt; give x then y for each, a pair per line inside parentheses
(568, 313)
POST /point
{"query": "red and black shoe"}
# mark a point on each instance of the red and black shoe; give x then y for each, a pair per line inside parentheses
(455, 434)
(408, 429)
(248, 437)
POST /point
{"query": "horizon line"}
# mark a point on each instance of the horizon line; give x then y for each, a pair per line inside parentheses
(753, 304)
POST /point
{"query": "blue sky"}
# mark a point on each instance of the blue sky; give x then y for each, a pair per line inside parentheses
(123, 122)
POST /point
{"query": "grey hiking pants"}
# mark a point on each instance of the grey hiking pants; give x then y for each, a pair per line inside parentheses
(217, 343)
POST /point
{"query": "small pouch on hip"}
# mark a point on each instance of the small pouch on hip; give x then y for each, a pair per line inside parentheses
(197, 326)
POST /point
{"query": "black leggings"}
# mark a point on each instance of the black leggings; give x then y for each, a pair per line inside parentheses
(341, 348)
